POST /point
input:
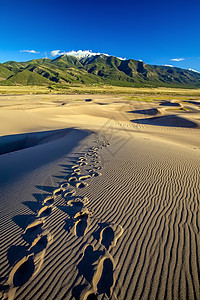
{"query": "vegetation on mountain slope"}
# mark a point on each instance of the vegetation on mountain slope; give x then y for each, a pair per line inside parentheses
(98, 69)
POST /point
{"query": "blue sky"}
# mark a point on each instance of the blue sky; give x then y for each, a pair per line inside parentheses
(154, 31)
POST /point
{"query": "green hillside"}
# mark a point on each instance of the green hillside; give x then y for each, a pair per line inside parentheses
(26, 77)
(98, 69)
(4, 72)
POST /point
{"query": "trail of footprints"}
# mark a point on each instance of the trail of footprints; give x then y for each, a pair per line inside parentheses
(100, 279)
(38, 240)
(97, 266)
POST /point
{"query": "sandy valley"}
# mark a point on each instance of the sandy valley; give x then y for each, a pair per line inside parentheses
(100, 197)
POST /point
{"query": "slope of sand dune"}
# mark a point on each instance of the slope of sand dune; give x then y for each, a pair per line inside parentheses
(150, 111)
(169, 103)
(169, 121)
(94, 206)
(193, 102)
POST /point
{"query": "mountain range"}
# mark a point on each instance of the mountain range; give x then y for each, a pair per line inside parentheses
(96, 69)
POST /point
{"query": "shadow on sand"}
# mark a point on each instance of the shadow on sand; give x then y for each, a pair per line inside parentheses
(168, 121)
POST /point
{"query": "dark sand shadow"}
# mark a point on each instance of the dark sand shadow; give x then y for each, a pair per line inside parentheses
(70, 211)
(11, 254)
(77, 290)
(22, 257)
(32, 205)
(23, 220)
(15, 142)
(150, 111)
(86, 265)
(167, 121)
(48, 189)
(169, 103)
(192, 102)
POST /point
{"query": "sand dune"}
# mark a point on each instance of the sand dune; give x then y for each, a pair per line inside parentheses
(150, 111)
(95, 206)
(12, 143)
(169, 103)
(168, 120)
(193, 102)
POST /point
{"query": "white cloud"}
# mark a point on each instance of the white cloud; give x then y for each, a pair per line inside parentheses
(193, 70)
(29, 51)
(79, 54)
(177, 59)
(83, 53)
(169, 66)
(56, 52)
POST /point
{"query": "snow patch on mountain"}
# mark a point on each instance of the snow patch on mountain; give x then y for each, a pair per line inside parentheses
(79, 54)
(193, 70)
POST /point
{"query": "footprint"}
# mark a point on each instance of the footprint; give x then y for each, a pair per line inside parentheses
(75, 166)
(97, 162)
(49, 201)
(90, 296)
(69, 194)
(22, 271)
(83, 199)
(81, 224)
(19, 275)
(44, 211)
(94, 173)
(64, 186)
(39, 248)
(29, 265)
(81, 185)
(103, 279)
(82, 158)
(40, 243)
(88, 264)
(77, 170)
(80, 227)
(83, 178)
(75, 204)
(76, 174)
(82, 163)
(109, 237)
(72, 179)
(33, 230)
(34, 227)
(88, 154)
(57, 192)
(97, 167)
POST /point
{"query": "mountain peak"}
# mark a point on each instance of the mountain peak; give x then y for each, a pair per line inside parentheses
(80, 54)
